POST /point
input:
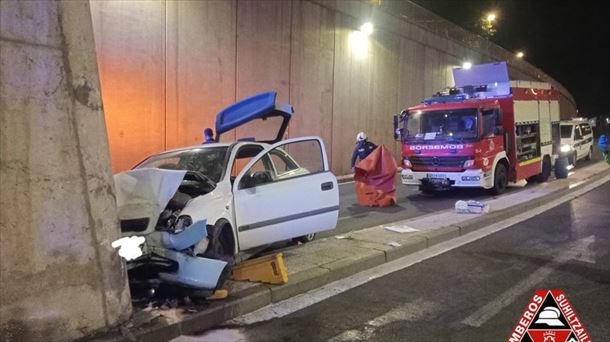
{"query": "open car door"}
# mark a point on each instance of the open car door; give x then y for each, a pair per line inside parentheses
(286, 191)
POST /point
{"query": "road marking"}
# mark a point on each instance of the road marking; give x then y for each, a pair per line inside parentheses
(578, 249)
(296, 303)
(407, 312)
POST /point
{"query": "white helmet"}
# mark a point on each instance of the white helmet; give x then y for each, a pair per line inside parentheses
(361, 136)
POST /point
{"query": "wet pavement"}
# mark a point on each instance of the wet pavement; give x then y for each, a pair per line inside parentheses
(476, 292)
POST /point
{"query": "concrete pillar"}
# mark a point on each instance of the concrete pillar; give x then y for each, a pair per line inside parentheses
(59, 277)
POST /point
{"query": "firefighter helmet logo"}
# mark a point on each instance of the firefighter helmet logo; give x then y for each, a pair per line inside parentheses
(549, 317)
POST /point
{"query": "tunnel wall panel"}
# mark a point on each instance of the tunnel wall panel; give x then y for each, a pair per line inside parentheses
(165, 77)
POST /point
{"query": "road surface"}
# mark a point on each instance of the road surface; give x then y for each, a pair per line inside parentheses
(475, 292)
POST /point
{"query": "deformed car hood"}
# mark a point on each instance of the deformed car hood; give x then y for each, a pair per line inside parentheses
(144, 193)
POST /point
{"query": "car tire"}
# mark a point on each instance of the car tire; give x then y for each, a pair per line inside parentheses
(219, 249)
(500, 179)
(306, 238)
(546, 170)
(561, 167)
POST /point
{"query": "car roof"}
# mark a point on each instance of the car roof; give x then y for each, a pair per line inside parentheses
(210, 145)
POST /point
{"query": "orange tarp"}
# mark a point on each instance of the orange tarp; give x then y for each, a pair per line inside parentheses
(375, 178)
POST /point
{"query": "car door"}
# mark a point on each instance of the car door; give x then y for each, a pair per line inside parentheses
(587, 136)
(286, 191)
(578, 142)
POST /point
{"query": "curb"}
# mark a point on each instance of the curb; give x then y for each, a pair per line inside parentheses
(259, 296)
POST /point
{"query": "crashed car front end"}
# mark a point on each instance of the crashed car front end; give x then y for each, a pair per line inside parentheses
(150, 208)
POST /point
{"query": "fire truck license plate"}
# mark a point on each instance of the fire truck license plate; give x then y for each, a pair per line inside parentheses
(437, 176)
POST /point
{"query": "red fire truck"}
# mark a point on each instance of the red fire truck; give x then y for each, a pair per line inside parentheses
(484, 132)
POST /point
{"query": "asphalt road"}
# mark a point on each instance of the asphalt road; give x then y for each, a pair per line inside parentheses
(475, 292)
(411, 203)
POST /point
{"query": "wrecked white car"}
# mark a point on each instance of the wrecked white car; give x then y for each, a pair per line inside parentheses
(248, 194)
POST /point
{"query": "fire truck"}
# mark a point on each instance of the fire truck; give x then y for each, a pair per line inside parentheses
(484, 132)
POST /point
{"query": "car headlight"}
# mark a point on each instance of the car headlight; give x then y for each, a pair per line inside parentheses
(469, 163)
(565, 148)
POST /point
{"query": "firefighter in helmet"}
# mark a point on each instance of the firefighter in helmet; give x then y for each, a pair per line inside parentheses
(363, 148)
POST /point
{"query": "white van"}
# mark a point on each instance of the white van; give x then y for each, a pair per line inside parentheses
(576, 139)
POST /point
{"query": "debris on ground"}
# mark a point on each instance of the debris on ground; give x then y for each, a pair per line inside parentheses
(471, 207)
(401, 228)
(268, 269)
(394, 244)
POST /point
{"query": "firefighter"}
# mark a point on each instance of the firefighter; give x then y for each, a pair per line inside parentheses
(363, 148)
(208, 135)
(604, 147)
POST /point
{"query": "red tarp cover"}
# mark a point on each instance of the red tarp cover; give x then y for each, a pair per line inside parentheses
(375, 178)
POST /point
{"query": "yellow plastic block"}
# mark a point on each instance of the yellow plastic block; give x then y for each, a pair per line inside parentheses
(219, 294)
(269, 269)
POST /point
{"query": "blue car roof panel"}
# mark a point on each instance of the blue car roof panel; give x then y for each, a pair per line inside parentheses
(259, 106)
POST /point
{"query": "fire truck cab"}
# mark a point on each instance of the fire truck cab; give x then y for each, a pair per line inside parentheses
(485, 132)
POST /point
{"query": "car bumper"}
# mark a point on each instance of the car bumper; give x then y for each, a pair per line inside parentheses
(475, 178)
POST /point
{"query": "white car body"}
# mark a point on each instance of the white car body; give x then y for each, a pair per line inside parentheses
(294, 203)
(576, 139)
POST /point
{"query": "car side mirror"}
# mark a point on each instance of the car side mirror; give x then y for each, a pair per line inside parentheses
(247, 182)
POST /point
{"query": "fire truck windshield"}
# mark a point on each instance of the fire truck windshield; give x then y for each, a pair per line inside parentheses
(458, 124)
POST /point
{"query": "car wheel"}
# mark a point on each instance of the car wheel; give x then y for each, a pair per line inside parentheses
(561, 167)
(500, 179)
(588, 157)
(220, 244)
(219, 248)
(546, 171)
(306, 238)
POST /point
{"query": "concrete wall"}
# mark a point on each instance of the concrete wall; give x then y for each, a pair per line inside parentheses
(167, 67)
(59, 277)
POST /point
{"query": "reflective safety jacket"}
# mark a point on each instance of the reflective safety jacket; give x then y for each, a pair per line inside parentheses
(362, 150)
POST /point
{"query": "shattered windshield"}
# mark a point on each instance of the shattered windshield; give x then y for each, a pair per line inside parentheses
(207, 160)
(441, 125)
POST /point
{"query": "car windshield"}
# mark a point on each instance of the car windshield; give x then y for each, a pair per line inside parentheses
(208, 160)
(441, 125)
(566, 131)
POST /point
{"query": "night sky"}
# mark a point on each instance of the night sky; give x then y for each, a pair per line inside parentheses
(566, 39)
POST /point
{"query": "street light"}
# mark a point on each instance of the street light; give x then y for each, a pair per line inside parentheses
(466, 65)
(487, 24)
(520, 54)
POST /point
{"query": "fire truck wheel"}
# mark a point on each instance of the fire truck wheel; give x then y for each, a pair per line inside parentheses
(546, 170)
(500, 179)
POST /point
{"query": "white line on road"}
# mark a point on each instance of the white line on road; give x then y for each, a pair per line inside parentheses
(575, 251)
(304, 300)
(406, 312)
